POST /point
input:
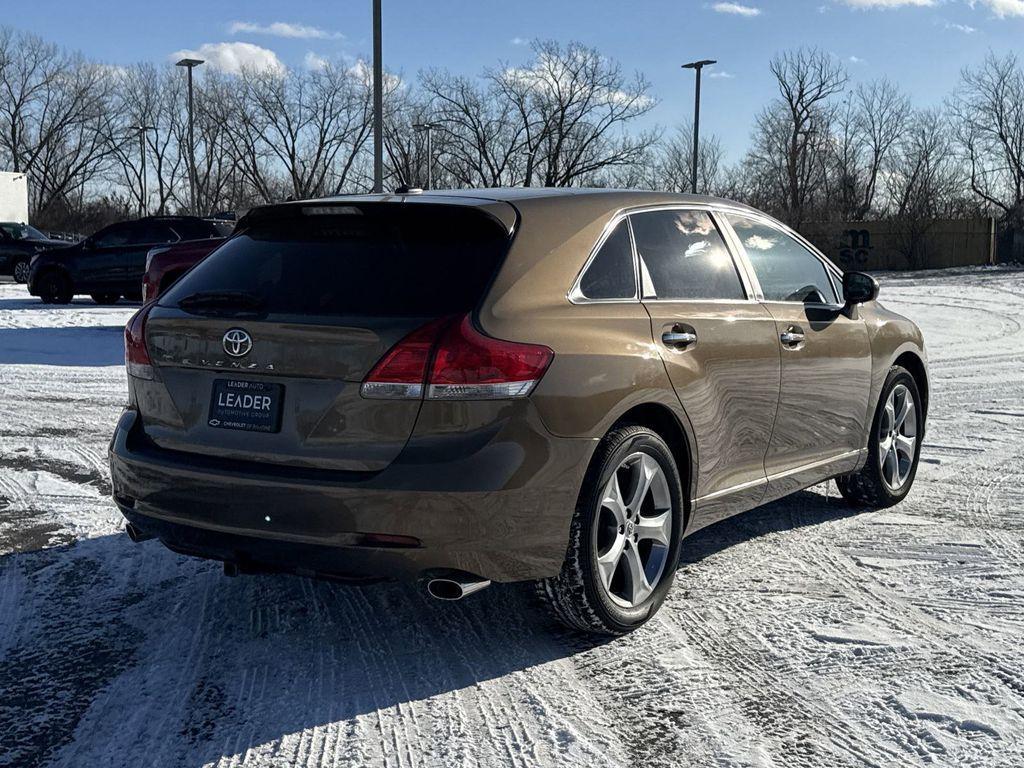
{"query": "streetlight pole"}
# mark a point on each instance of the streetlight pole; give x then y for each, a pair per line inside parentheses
(142, 128)
(189, 65)
(696, 66)
(378, 102)
(428, 127)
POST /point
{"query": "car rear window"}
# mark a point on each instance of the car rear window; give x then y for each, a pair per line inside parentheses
(373, 259)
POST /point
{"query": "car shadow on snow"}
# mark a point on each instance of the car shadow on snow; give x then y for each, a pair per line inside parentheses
(75, 345)
(131, 650)
(802, 509)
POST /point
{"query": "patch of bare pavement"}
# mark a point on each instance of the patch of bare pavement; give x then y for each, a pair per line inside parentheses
(801, 634)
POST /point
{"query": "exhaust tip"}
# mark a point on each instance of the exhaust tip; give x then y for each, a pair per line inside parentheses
(136, 535)
(455, 589)
(445, 589)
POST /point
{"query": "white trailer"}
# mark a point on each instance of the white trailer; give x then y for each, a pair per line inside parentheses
(13, 197)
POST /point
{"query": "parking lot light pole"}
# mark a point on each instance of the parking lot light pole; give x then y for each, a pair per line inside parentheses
(696, 66)
(378, 102)
(428, 127)
(189, 65)
(143, 202)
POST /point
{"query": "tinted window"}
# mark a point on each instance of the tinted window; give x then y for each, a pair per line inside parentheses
(114, 235)
(611, 275)
(786, 270)
(376, 260)
(685, 256)
(154, 232)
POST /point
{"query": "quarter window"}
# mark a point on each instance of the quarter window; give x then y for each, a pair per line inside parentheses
(786, 270)
(685, 256)
(611, 274)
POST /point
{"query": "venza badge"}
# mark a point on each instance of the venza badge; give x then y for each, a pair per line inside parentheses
(237, 342)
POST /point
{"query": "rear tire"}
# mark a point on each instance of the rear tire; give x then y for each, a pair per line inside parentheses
(620, 528)
(105, 298)
(892, 462)
(55, 288)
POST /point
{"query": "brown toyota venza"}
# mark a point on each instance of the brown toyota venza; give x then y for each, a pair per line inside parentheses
(534, 385)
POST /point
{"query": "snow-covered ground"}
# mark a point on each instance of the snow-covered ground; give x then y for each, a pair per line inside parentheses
(801, 634)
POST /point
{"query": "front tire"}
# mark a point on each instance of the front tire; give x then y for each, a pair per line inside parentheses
(105, 298)
(55, 288)
(894, 449)
(624, 539)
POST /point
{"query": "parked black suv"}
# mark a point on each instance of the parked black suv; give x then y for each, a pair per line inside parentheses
(110, 264)
(18, 244)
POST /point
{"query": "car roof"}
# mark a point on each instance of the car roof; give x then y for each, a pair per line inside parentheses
(616, 198)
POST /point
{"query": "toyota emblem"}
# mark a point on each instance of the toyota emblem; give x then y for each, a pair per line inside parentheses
(237, 342)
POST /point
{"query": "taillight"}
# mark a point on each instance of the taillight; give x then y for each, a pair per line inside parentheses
(402, 371)
(456, 362)
(136, 356)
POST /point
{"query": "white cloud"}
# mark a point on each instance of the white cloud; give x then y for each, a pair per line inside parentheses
(519, 41)
(282, 29)
(721, 73)
(885, 4)
(857, 60)
(736, 9)
(315, 61)
(232, 58)
(1003, 8)
(967, 30)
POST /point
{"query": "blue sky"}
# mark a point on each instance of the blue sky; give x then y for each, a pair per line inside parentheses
(921, 44)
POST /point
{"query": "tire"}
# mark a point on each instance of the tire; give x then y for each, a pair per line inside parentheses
(20, 271)
(580, 597)
(105, 298)
(872, 485)
(55, 287)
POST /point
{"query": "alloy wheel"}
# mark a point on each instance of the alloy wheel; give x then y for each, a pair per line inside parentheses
(633, 529)
(897, 437)
(21, 271)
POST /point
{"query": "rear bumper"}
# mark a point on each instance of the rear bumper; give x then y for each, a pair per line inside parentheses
(497, 505)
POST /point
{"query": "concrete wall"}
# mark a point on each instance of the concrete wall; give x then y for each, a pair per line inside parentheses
(880, 245)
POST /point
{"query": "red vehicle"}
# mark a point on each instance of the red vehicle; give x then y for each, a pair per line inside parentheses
(165, 264)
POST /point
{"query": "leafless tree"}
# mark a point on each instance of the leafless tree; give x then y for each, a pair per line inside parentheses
(989, 111)
(794, 132)
(675, 163)
(574, 106)
(54, 118)
(923, 182)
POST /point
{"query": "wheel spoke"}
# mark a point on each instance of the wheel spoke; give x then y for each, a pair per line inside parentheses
(891, 467)
(657, 527)
(608, 563)
(905, 445)
(906, 406)
(890, 412)
(611, 499)
(639, 589)
(646, 469)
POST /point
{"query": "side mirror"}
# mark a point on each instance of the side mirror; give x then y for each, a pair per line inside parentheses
(859, 288)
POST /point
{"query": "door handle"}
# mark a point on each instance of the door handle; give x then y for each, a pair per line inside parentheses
(792, 336)
(678, 338)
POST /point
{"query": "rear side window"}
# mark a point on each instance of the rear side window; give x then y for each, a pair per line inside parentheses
(786, 270)
(374, 259)
(154, 232)
(611, 274)
(685, 256)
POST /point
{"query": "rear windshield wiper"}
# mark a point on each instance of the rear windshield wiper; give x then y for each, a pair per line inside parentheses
(217, 302)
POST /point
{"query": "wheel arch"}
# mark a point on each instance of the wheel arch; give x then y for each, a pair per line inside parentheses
(915, 365)
(661, 419)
